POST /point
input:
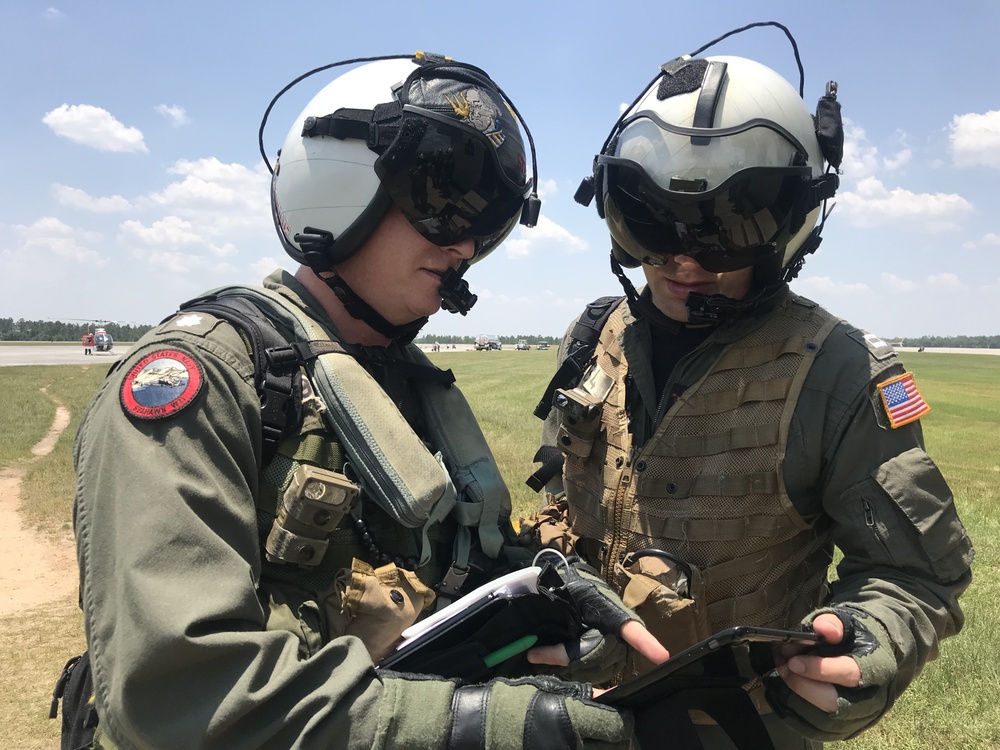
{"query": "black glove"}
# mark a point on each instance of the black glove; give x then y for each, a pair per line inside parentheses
(545, 713)
(599, 654)
(531, 713)
(867, 642)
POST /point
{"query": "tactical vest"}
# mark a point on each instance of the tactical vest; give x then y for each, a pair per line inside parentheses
(707, 487)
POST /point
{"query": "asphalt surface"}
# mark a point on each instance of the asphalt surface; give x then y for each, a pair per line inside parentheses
(53, 354)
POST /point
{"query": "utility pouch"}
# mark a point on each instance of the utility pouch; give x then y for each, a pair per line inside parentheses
(375, 604)
(669, 595)
(580, 411)
(75, 688)
(312, 507)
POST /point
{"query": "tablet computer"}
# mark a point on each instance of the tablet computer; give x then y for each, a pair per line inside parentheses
(728, 659)
(486, 633)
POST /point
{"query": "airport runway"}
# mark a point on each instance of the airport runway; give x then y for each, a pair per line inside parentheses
(53, 354)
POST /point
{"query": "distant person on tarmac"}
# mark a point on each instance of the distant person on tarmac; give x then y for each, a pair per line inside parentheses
(87, 340)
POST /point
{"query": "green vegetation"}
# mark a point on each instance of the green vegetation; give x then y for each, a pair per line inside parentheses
(58, 330)
(951, 705)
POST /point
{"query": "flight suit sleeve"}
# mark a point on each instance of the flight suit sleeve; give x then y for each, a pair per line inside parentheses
(182, 650)
(906, 553)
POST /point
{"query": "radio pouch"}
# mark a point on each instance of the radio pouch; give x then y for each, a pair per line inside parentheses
(669, 595)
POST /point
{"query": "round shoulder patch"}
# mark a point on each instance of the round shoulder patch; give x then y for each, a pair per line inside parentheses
(161, 384)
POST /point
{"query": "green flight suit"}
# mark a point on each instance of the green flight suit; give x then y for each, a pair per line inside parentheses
(861, 485)
(191, 645)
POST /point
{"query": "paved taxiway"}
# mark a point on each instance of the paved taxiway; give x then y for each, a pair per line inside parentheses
(52, 354)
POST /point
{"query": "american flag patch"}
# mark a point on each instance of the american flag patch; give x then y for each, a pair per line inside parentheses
(903, 402)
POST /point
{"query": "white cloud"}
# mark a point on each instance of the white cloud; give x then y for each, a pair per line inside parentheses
(990, 239)
(547, 188)
(975, 139)
(264, 266)
(900, 160)
(946, 281)
(94, 127)
(546, 234)
(828, 285)
(896, 284)
(209, 180)
(168, 231)
(184, 263)
(50, 236)
(76, 198)
(54, 14)
(177, 115)
(872, 204)
(862, 159)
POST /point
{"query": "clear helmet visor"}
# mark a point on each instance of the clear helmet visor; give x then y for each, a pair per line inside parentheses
(719, 199)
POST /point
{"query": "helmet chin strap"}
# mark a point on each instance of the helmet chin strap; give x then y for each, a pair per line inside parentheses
(315, 245)
(361, 310)
(703, 309)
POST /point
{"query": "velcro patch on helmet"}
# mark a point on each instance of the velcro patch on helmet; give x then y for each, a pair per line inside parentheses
(161, 384)
(682, 79)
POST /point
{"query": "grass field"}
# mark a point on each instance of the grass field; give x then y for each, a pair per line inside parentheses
(953, 704)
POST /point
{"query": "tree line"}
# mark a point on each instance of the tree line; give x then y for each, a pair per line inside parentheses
(953, 342)
(431, 338)
(58, 330)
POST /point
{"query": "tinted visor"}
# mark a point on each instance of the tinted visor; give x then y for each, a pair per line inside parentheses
(737, 224)
(448, 181)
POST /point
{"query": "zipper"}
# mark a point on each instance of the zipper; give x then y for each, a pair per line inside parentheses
(872, 523)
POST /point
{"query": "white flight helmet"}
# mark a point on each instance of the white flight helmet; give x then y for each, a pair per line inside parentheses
(435, 138)
(719, 160)
(328, 182)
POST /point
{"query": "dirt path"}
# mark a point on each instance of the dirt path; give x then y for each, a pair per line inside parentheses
(35, 569)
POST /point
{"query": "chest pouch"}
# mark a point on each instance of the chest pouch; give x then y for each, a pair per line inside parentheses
(669, 595)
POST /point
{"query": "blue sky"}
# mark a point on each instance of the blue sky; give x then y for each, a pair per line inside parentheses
(133, 178)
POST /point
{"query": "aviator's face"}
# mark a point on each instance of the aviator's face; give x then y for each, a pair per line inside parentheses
(398, 272)
(671, 283)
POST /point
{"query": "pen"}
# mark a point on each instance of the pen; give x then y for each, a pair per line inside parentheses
(511, 649)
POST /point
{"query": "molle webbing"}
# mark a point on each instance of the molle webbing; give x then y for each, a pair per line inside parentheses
(707, 486)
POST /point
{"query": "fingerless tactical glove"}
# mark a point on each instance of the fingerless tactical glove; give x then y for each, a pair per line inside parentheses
(599, 654)
(857, 708)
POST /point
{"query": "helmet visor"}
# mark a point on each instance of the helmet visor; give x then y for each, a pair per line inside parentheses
(737, 224)
(449, 183)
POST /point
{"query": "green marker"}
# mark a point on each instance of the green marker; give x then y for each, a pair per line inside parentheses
(511, 649)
